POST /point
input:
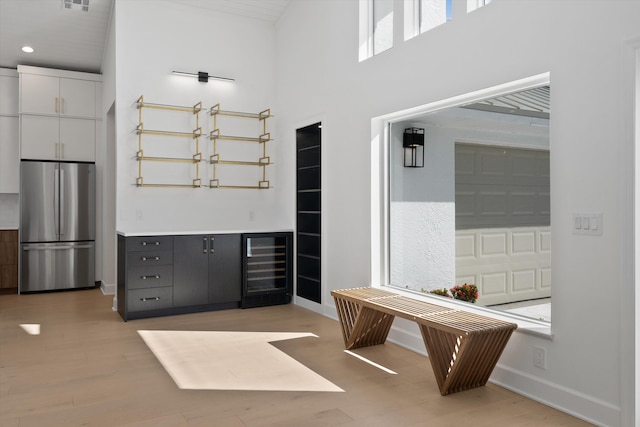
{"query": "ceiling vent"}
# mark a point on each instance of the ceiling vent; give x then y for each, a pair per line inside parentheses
(82, 5)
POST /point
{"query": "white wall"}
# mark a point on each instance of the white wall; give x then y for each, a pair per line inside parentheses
(106, 165)
(152, 39)
(580, 44)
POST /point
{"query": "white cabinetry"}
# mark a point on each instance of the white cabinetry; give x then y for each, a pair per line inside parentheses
(57, 114)
(50, 138)
(9, 139)
(58, 96)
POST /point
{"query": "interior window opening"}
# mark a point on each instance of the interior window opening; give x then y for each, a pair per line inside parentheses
(477, 212)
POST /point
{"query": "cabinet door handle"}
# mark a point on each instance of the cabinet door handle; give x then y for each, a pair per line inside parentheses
(212, 250)
(150, 299)
(62, 150)
(62, 105)
(150, 277)
(56, 105)
(145, 243)
(155, 258)
(204, 244)
(55, 149)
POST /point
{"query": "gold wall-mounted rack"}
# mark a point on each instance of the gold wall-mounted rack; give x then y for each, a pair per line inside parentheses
(195, 134)
(216, 159)
(262, 185)
(195, 156)
(197, 183)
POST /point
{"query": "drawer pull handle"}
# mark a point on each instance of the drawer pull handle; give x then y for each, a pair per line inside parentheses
(149, 277)
(150, 299)
(155, 243)
(155, 258)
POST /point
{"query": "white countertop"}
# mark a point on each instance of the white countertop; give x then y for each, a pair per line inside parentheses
(194, 232)
(9, 227)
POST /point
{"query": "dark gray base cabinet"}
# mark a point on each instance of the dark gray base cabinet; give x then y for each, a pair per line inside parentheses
(166, 275)
(207, 268)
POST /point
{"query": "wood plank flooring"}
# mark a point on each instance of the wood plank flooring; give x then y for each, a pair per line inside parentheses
(89, 368)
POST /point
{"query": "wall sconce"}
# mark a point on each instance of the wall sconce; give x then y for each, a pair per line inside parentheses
(413, 145)
(202, 76)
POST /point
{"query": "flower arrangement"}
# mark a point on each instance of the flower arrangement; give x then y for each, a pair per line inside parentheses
(465, 292)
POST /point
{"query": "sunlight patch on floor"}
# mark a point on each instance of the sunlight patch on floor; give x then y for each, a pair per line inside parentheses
(211, 360)
(370, 362)
(31, 328)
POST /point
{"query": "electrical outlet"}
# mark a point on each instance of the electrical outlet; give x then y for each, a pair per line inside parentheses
(539, 357)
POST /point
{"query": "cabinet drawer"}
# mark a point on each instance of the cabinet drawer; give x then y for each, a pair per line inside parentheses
(150, 299)
(147, 258)
(150, 277)
(150, 243)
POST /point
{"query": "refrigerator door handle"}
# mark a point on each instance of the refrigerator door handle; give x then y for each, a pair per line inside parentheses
(55, 248)
(61, 202)
(56, 201)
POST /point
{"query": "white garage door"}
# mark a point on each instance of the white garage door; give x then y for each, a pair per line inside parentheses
(503, 233)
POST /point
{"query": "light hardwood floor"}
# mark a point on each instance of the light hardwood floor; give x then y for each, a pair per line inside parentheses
(89, 368)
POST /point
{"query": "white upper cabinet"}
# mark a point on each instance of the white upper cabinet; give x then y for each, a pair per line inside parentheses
(77, 98)
(9, 94)
(40, 137)
(58, 96)
(58, 111)
(50, 138)
(40, 94)
(77, 140)
(9, 157)
(9, 138)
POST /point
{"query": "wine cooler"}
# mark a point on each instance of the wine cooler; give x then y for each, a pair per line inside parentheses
(267, 269)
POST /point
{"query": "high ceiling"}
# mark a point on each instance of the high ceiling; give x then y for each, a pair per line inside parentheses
(75, 40)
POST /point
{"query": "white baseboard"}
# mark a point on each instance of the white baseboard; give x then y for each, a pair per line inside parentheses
(595, 411)
(108, 289)
(573, 402)
(308, 304)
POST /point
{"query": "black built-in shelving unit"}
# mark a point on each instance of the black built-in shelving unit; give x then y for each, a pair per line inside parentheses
(308, 206)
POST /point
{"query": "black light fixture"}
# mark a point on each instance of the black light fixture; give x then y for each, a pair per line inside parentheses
(413, 146)
(202, 76)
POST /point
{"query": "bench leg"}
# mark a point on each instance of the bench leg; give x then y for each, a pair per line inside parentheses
(362, 326)
(463, 362)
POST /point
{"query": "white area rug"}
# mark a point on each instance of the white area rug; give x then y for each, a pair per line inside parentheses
(208, 360)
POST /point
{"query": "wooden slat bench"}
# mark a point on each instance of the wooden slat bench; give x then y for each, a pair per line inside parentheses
(463, 347)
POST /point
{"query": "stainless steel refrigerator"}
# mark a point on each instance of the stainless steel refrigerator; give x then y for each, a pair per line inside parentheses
(57, 225)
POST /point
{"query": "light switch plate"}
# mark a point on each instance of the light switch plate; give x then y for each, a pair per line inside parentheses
(587, 223)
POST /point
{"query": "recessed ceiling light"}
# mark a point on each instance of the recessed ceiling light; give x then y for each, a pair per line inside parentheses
(27, 49)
